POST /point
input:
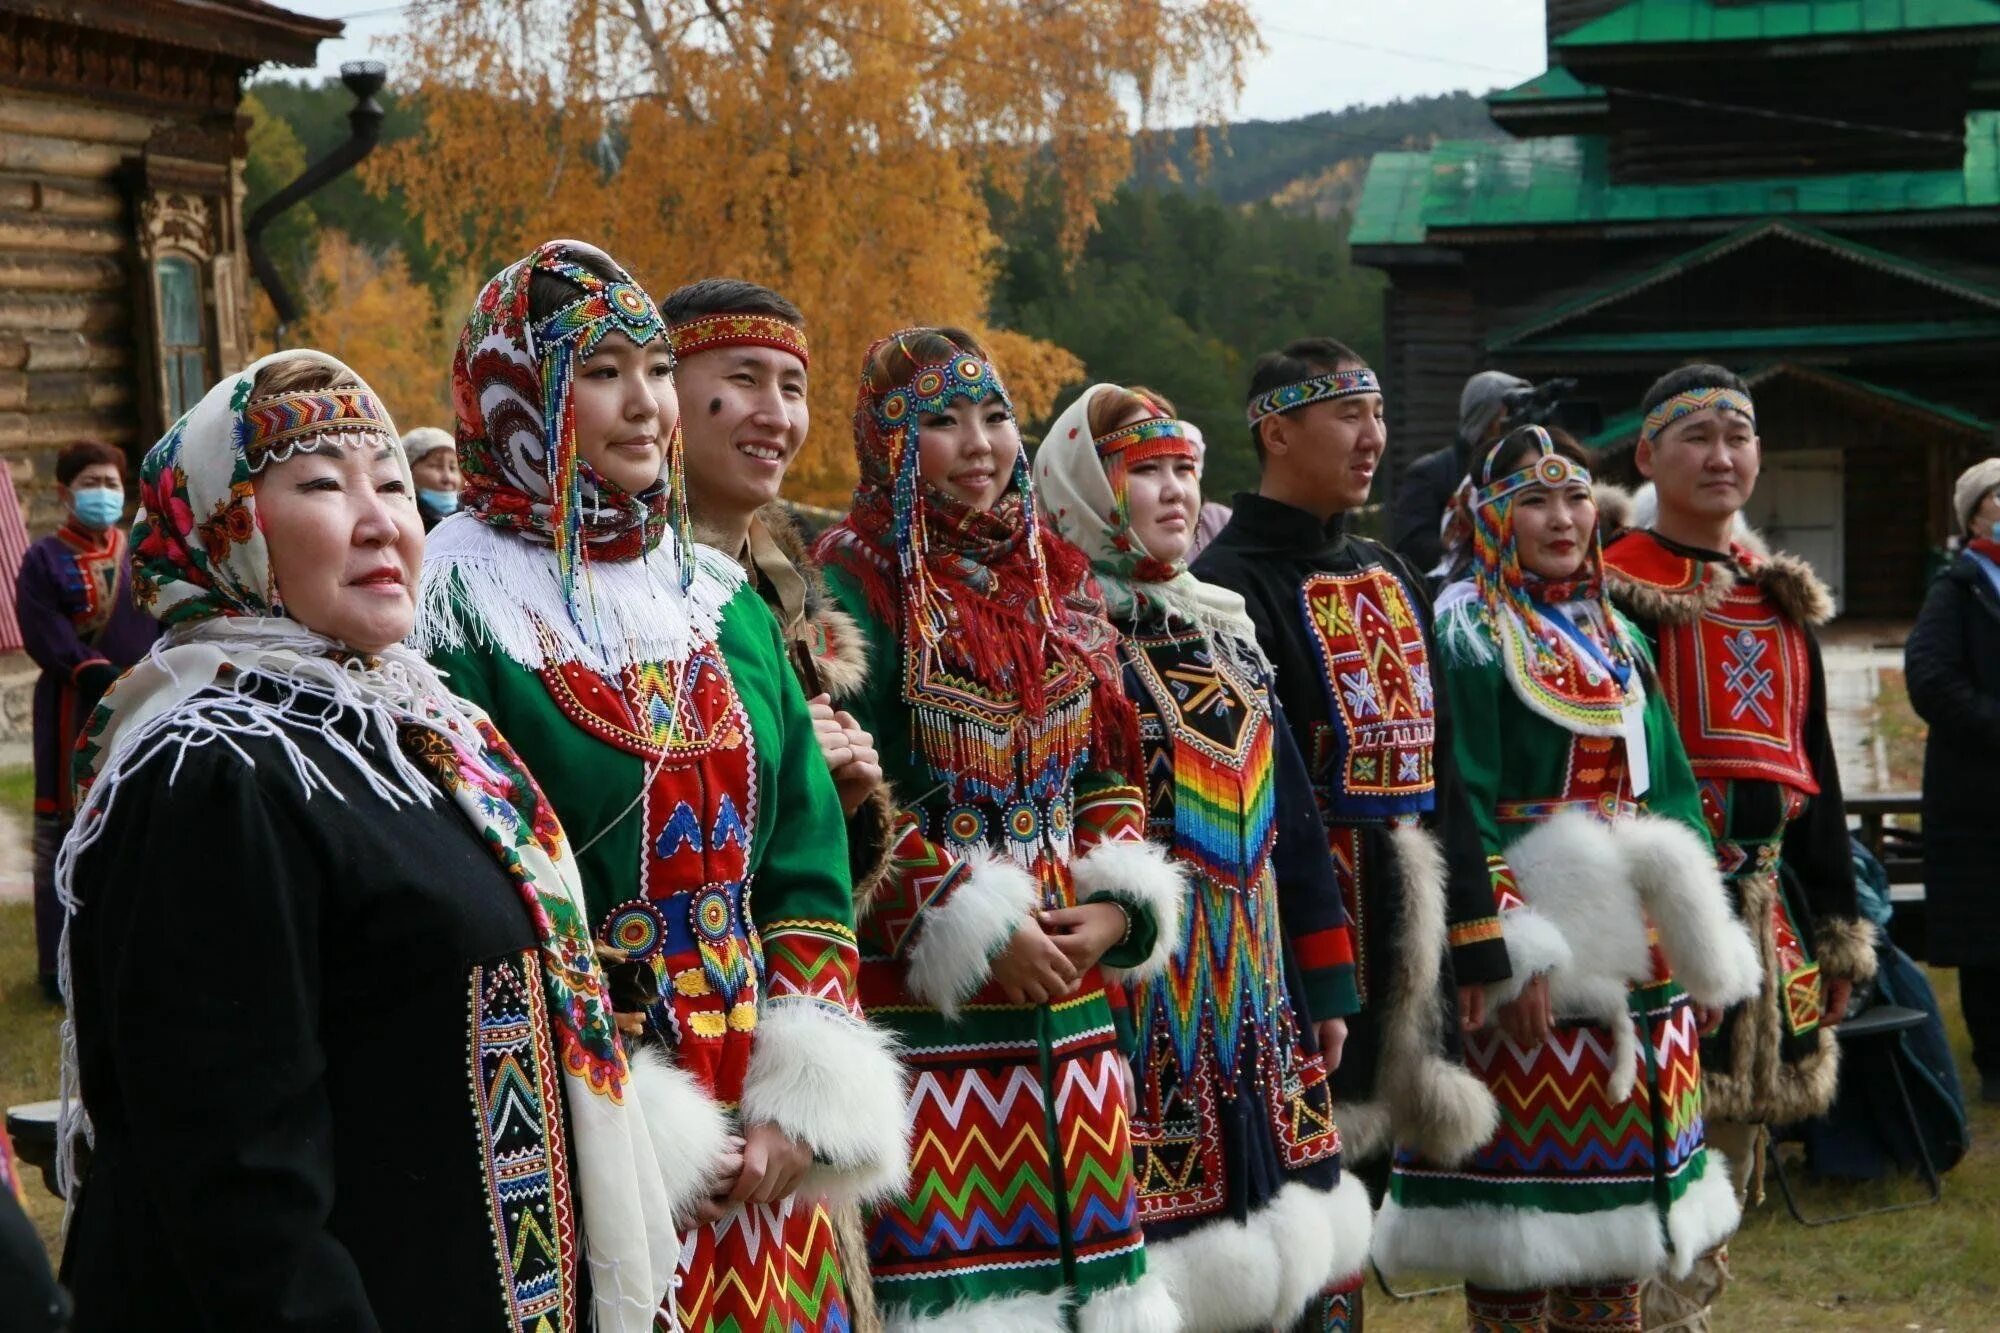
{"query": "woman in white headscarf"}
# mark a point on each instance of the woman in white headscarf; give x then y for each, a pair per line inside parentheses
(343, 1044)
(1248, 1217)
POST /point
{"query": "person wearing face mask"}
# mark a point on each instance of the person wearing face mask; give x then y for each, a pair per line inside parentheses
(346, 1059)
(1346, 623)
(433, 456)
(1021, 874)
(1249, 1220)
(1620, 938)
(649, 686)
(1731, 625)
(73, 601)
(1952, 663)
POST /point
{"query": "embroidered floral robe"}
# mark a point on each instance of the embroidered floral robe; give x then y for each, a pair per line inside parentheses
(713, 854)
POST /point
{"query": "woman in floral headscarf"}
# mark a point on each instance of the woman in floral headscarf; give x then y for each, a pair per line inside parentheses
(647, 683)
(1020, 864)
(1621, 942)
(1248, 1217)
(379, 1085)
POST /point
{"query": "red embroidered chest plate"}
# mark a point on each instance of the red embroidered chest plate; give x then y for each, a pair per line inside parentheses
(1377, 674)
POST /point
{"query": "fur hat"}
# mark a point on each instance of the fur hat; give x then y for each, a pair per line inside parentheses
(1972, 486)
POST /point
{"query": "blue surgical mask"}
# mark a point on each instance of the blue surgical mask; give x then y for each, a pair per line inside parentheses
(443, 502)
(98, 507)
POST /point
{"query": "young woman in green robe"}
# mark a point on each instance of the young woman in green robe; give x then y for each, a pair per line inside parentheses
(647, 685)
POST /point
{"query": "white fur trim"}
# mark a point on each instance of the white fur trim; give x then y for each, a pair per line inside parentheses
(1534, 946)
(1432, 1104)
(956, 940)
(1570, 869)
(1026, 1313)
(1260, 1273)
(483, 587)
(1142, 875)
(832, 1082)
(1515, 1248)
(1145, 1306)
(1711, 953)
(689, 1129)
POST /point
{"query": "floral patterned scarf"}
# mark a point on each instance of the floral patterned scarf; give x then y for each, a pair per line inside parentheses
(201, 564)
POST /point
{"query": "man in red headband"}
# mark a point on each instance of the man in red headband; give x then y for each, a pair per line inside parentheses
(1731, 629)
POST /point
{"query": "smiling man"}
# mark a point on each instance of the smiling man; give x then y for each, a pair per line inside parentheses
(1731, 630)
(1347, 625)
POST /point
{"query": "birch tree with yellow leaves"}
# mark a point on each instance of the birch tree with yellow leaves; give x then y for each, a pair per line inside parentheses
(840, 151)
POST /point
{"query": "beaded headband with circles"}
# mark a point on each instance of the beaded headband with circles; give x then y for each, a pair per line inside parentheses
(1551, 470)
(1306, 392)
(1687, 403)
(706, 333)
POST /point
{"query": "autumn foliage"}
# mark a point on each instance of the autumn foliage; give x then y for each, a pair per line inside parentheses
(841, 151)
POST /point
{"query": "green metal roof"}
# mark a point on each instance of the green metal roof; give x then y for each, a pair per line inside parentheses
(1766, 339)
(1674, 22)
(1796, 233)
(1624, 428)
(1564, 180)
(1554, 84)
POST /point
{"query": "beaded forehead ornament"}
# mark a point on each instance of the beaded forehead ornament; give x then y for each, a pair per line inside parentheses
(290, 423)
(709, 332)
(1306, 392)
(1696, 400)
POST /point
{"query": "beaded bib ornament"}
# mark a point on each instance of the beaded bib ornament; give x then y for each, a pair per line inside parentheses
(709, 332)
(290, 423)
(1306, 392)
(1561, 670)
(1686, 404)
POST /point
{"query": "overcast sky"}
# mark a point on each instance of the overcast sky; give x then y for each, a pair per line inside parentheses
(1323, 54)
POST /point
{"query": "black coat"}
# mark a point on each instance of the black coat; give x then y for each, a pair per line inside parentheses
(283, 1008)
(1952, 663)
(1423, 493)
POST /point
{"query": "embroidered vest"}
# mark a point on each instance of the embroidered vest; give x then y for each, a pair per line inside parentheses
(1374, 759)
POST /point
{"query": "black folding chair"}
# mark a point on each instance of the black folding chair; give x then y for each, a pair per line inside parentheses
(1887, 1023)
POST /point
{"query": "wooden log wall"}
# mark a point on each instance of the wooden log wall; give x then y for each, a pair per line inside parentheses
(67, 368)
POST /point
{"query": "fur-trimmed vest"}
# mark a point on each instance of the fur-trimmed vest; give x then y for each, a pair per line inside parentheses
(1741, 668)
(829, 656)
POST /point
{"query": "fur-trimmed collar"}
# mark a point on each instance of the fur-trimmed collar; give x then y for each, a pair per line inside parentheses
(1661, 580)
(838, 648)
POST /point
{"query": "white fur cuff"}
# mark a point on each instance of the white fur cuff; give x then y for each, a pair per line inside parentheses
(832, 1082)
(1534, 947)
(956, 940)
(1144, 1306)
(689, 1130)
(1706, 945)
(1141, 875)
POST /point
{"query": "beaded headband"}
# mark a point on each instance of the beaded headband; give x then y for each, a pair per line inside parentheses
(1162, 437)
(603, 309)
(1552, 470)
(1692, 401)
(1318, 389)
(282, 425)
(708, 332)
(932, 388)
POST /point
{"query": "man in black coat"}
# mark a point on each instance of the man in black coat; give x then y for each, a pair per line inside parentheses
(1425, 488)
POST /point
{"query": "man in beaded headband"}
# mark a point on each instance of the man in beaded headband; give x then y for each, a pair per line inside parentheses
(1698, 445)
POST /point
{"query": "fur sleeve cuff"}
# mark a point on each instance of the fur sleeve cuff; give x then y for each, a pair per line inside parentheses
(832, 1082)
(1711, 953)
(1141, 876)
(688, 1129)
(1534, 947)
(1844, 947)
(953, 955)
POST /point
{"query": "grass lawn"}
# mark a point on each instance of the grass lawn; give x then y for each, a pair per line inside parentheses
(1929, 1269)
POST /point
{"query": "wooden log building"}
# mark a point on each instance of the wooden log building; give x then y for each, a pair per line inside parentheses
(124, 287)
(1805, 191)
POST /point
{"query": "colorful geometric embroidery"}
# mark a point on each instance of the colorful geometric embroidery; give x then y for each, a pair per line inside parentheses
(1798, 973)
(1110, 814)
(813, 961)
(292, 418)
(712, 331)
(1318, 389)
(1375, 669)
(1343, 844)
(764, 1268)
(517, 1098)
(1739, 679)
(1177, 1139)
